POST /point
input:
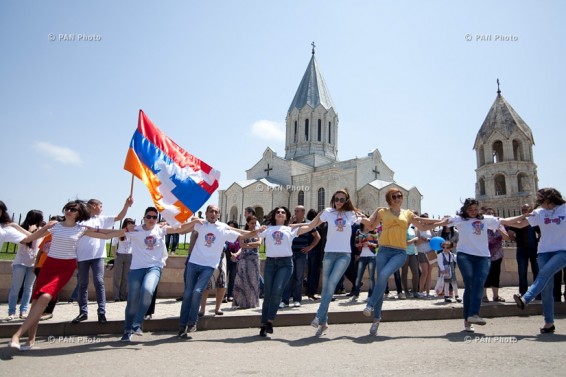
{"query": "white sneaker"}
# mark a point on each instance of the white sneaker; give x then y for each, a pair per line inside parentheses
(321, 329)
(468, 327)
(281, 305)
(315, 322)
(476, 319)
(402, 296)
(297, 304)
(373, 328)
(367, 311)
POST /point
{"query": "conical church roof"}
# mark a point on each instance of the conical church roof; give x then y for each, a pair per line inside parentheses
(504, 119)
(312, 90)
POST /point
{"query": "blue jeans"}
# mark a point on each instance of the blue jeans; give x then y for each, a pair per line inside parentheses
(474, 271)
(333, 267)
(21, 275)
(276, 274)
(141, 286)
(362, 263)
(196, 281)
(522, 267)
(97, 266)
(387, 261)
(549, 264)
(295, 285)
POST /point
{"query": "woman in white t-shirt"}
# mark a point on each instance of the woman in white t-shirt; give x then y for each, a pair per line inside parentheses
(122, 249)
(337, 251)
(278, 267)
(550, 217)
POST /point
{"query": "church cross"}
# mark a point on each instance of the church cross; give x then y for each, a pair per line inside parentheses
(267, 170)
(375, 171)
(313, 46)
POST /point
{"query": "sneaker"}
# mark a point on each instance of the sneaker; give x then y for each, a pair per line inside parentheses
(468, 327)
(80, 318)
(137, 331)
(269, 328)
(315, 322)
(297, 304)
(102, 318)
(282, 305)
(476, 319)
(519, 301)
(402, 296)
(262, 332)
(9, 318)
(182, 332)
(192, 328)
(367, 311)
(23, 315)
(373, 328)
(421, 295)
(126, 338)
(321, 329)
(147, 317)
(458, 299)
(354, 298)
(447, 299)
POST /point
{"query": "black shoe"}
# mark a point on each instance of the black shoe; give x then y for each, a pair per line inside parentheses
(519, 301)
(81, 317)
(269, 328)
(179, 299)
(262, 332)
(102, 318)
(548, 330)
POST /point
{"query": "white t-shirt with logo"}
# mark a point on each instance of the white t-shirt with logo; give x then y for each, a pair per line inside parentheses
(552, 224)
(473, 234)
(210, 243)
(278, 240)
(94, 248)
(339, 229)
(148, 247)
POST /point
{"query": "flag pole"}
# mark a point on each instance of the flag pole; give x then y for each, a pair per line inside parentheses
(132, 187)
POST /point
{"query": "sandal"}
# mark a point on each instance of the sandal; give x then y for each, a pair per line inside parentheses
(498, 299)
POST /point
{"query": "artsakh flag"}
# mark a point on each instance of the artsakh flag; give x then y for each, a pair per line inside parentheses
(178, 182)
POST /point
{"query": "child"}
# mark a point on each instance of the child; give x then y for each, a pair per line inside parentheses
(447, 268)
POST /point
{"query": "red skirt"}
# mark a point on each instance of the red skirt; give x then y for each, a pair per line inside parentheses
(53, 276)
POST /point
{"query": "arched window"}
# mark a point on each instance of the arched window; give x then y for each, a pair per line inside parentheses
(497, 151)
(500, 186)
(301, 200)
(518, 151)
(321, 199)
(481, 154)
(319, 138)
(329, 132)
(482, 186)
(306, 130)
(523, 184)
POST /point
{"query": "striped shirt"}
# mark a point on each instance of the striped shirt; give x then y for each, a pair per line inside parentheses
(64, 241)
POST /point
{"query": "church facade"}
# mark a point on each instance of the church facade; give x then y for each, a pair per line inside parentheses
(506, 174)
(310, 172)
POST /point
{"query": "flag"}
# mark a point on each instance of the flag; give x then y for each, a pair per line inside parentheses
(178, 182)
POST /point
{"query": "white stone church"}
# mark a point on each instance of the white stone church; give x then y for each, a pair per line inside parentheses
(311, 172)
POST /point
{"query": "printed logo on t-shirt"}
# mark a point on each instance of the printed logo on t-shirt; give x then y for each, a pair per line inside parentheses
(556, 221)
(339, 224)
(150, 242)
(209, 239)
(277, 237)
(478, 227)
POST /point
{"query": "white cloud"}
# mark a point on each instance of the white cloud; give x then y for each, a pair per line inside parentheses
(64, 155)
(268, 130)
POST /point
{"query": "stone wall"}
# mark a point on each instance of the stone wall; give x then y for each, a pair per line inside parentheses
(171, 284)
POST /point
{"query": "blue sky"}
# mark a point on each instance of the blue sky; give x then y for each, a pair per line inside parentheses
(403, 77)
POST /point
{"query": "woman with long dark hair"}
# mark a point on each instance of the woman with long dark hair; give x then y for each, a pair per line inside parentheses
(246, 284)
(23, 267)
(122, 248)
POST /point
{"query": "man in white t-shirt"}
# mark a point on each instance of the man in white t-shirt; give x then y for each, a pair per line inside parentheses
(203, 260)
(91, 253)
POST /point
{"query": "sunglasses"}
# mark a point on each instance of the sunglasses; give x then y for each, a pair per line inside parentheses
(72, 209)
(150, 217)
(283, 212)
(339, 200)
(394, 197)
(447, 247)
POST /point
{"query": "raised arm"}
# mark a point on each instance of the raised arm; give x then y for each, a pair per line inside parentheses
(304, 228)
(373, 221)
(19, 229)
(127, 205)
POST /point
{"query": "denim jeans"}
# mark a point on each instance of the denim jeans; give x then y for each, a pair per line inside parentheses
(522, 268)
(294, 287)
(549, 264)
(474, 271)
(97, 266)
(142, 283)
(276, 274)
(387, 261)
(21, 275)
(333, 267)
(196, 281)
(313, 275)
(364, 262)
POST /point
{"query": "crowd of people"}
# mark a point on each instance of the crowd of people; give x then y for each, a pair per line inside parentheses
(336, 243)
